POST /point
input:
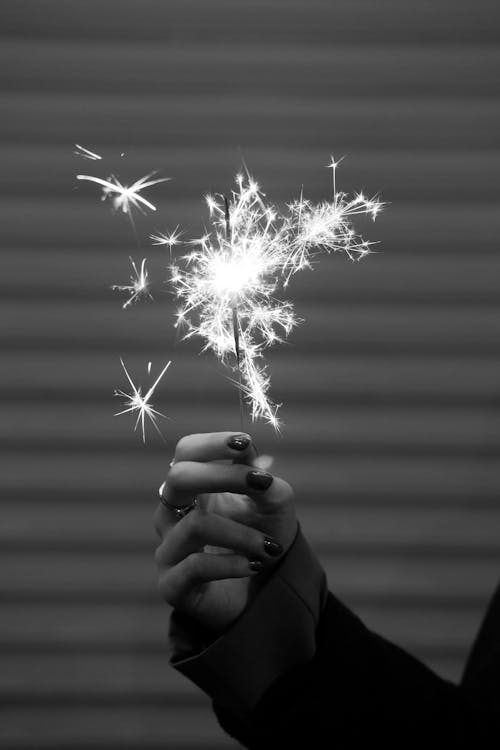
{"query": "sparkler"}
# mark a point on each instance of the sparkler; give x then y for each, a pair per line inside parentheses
(137, 402)
(229, 285)
(230, 282)
(139, 286)
(227, 289)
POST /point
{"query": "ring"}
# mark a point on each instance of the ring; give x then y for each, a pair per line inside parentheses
(179, 511)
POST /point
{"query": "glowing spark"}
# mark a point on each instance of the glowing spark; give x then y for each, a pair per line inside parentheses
(171, 240)
(125, 197)
(327, 226)
(139, 286)
(82, 151)
(137, 402)
(228, 285)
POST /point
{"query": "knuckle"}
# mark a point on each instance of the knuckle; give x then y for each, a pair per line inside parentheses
(166, 589)
(176, 476)
(195, 526)
(158, 556)
(182, 447)
(194, 566)
(284, 494)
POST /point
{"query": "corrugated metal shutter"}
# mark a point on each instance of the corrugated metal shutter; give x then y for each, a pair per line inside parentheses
(390, 389)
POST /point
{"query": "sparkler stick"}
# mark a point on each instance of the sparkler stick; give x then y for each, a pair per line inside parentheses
(236, 322)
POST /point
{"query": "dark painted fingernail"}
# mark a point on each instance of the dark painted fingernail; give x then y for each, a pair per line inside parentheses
(259, 480)
(239, 442)
(255, 565)
(272, 548)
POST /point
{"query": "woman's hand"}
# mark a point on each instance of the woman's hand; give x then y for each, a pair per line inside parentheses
(243, 523)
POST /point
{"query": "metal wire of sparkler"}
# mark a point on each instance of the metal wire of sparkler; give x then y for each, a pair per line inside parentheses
(236, 322)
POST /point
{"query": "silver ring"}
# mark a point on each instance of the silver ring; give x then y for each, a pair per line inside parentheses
(179, 511)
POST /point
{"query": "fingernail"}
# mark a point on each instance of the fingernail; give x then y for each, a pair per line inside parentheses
(255, 565)
(239, 442)
(259, 480)
(272, 548)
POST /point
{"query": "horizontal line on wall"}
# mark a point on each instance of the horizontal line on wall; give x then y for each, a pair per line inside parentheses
(65, 445)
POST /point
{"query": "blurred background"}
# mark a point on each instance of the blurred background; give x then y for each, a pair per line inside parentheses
(390, 389)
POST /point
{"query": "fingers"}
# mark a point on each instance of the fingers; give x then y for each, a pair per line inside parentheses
(179, 583)
(187, 479)
(199, 529)
(214, 446)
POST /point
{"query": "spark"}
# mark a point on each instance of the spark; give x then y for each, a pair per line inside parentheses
(228, 288)
(171, 240)
(137, 402)
(327, 226)
(139, 286)
(125, 197)
(85, 153)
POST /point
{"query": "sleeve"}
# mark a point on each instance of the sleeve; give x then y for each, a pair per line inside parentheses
(298, 666)
(275, 633)
(361, 690)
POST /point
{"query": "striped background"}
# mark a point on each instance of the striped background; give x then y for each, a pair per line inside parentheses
(391, 389)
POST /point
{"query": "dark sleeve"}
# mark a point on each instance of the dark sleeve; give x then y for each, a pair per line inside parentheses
(359, 690)
(298, 665)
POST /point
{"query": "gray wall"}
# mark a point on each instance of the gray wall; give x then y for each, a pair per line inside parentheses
(390, 389)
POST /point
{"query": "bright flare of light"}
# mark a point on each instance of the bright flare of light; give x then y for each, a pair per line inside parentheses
(171, 240)
(85, 153)
(227, 289)
(137, 402)
(327, 226)
(125, 197)
(229, 284)
(139, 286)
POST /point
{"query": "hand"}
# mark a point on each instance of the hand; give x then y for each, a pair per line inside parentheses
(244, 522)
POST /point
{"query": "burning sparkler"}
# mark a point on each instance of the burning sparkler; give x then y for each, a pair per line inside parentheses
(139, 286)
(137, 402)
(229, 284)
